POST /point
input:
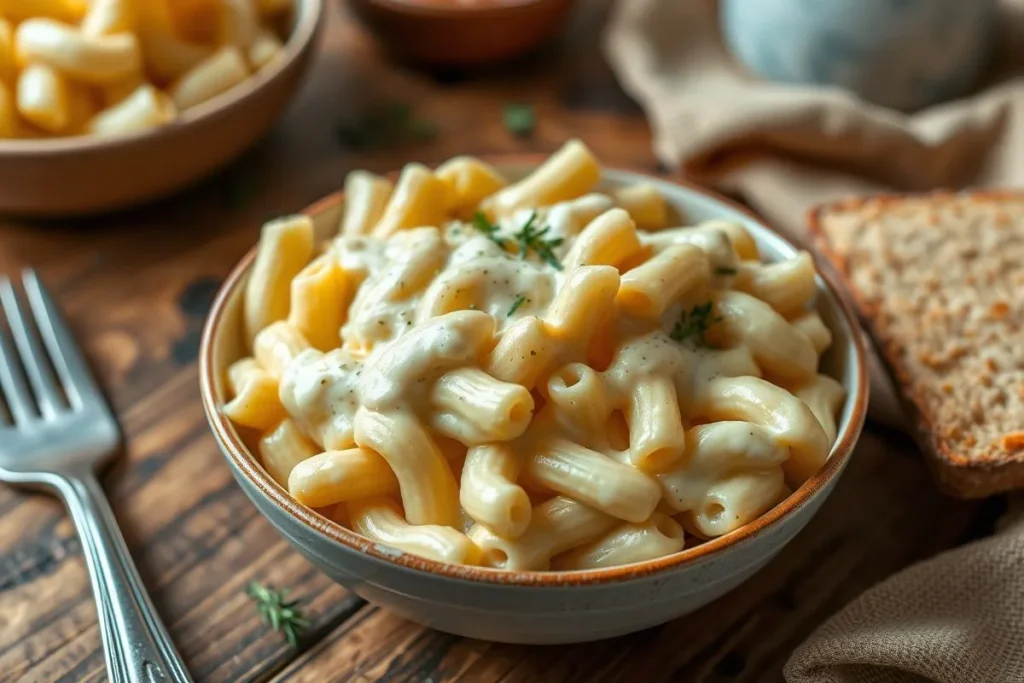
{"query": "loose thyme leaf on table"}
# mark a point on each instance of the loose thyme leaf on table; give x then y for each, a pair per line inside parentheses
(281, 615)
(519, 119)
(695, 324)
(531, 237)
(240, 191)
(386, 125)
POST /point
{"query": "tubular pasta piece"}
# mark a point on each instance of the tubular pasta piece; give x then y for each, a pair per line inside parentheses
(276, 346)
(787, 286)
(824, 396)
(658, 536)
(469, 181)
(380, 519)
(255, 401)
(489, 493)
(570, 172)
(787, 417)
(737, 501)
(282, 449)
(610, 239)
(645, 205)
(556, 525)
(592, 478)
(474, 408)
(285, 247)
(811, 326)
(650, 288)
(430, 494)
(341, 476)
(776, 345)
(366, 197)
(420, 199)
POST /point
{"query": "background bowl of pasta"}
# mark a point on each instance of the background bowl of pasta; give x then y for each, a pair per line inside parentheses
(510, 400)
(110, 103)
(462, 32)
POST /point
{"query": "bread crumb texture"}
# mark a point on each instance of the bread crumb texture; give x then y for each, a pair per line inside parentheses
(939, 279)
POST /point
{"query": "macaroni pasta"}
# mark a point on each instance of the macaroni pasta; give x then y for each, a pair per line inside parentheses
(532, 375)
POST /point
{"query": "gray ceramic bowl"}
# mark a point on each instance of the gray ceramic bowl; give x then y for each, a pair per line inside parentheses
(540, 607)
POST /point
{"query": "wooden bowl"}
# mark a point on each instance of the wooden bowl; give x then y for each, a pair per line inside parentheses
(67, 177)
(459, 35)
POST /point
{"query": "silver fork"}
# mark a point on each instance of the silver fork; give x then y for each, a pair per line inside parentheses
(58, 444)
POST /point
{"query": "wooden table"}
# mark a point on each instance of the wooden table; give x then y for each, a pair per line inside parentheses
(136, 288)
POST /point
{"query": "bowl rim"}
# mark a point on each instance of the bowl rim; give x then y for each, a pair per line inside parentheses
(495, 9)
(246, 465)
(309, 17)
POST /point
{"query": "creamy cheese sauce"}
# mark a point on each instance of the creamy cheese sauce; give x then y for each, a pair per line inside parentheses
(419, 274)
(430, 301)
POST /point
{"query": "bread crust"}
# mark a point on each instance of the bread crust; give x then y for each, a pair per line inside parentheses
(967, 462)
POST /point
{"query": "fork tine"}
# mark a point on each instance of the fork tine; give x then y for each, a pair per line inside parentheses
(32, 356)
(71, 367)
(13, 385)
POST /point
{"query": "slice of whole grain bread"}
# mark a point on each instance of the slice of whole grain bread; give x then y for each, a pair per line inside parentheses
(939, 280)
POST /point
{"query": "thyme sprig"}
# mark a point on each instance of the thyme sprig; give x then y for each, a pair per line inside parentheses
(282, 615)
(520, 300)
(694, 324)
(533, 238)
(482, 223)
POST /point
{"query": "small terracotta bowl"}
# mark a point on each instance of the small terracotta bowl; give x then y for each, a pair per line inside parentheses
(530, 606)
(444, 33)
(66, 177)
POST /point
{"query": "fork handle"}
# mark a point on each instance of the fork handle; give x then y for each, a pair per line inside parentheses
(136, 644)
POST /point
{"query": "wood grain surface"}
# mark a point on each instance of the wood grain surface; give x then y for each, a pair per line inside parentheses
(136, 287)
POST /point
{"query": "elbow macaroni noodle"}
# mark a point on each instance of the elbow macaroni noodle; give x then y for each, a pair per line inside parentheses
(517, 376)
(112, 67)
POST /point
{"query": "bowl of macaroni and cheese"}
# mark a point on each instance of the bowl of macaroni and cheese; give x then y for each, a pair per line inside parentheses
(460, 33)
(532, 401)
(110, 103)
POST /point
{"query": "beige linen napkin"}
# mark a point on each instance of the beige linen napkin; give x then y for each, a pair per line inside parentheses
(786, 148)
(958, 618)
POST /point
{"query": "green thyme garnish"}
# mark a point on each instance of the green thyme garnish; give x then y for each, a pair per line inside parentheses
(519, 119)
(240, 191)
(530, 238)
(386, 125)
(484, 225)
(694, 325)
(423, 130)
(515, 306)
(723, 270)
(281, 615)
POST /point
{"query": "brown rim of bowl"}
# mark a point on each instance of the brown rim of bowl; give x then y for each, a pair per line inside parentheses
(309, 17)
(235, 449)
(492, 8)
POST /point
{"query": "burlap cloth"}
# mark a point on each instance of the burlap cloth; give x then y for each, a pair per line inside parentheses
(957, 618)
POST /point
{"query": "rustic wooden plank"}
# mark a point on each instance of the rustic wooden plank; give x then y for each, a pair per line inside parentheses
(745, 636)
(136, 287)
